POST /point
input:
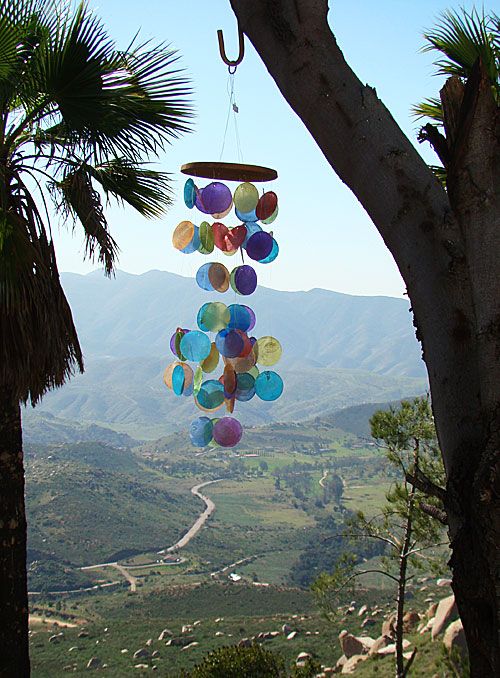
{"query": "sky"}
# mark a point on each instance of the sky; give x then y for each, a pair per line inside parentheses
(326, 239)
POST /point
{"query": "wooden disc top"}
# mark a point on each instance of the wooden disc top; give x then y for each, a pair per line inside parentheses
(229, 171)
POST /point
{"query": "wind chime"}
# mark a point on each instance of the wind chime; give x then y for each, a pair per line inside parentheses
(225, 331)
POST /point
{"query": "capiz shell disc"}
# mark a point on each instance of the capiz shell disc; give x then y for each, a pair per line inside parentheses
(188, 374)
(178, 380)
(189, 193)
(227, 432)
(246, 197)
(243, 280)
(229, 343)
(272, 254)
(216, 197)
(195, 345)
(259, 245)
(212, 360)
(266, 205)
(213, 316)
(201, 431)
(219, 277)
(206, 238)
(267, 350)
(211, 395)
(269, 385)
(183, 235)
(240, 318)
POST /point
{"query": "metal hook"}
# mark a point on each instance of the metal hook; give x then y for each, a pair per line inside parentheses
(222, 50)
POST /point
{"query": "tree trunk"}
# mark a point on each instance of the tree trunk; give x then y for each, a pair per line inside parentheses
(403, 564)
(14, 651)
(447, 249)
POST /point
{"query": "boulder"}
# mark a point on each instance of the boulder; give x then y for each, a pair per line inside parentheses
(302, 658)
(362, 610)
(141, 652)
(179, 642)
(352, 662)
(431, 610)
(340, 663)
(410, 621)
(218, 634)
(443, 582)
(445, 613)
(72, 649)
(197, 622)
(187, 647)
(83, 634)
(352, 645)
(454, 638)
(427, 627)
(54, 639)
(166, 633)
(291, 635)
(391, 649)
(141, 666)
(187, 628)
(380, 642)
(155, 654)
(149, 642)
(388, 626)
(286, 628)
(368, 621)
(124, 651)
(245, 642)
(93, 663)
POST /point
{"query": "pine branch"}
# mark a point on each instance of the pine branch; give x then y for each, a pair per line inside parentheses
(434, 512)
(425, 485)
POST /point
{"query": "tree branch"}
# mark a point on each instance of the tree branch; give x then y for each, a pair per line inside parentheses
(438, 142)
(425, 485)
(434, 512)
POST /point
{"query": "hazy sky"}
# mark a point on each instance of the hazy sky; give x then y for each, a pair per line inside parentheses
(325, 237)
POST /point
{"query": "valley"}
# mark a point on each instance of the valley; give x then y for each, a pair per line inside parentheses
(249, 564)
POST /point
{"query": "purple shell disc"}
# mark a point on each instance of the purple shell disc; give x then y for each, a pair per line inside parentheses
(200, 205)
(259, 245)
(227, 432)
(216, 197)
(229, 343)
(245, 279)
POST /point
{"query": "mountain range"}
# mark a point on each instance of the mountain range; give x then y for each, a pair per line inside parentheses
(338, 350)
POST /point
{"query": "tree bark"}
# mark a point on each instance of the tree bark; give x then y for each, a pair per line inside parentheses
(14, 650)
(447, 249)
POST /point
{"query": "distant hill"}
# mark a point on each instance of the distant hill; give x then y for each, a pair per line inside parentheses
(356, 419)
(44, 427)
(339, 350)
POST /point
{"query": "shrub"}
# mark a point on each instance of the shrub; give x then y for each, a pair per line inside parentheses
(240, 662)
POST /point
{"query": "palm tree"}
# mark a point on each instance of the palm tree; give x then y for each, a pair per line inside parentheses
(468, 44)
(78, 119)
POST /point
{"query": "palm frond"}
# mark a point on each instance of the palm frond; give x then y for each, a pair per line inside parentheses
(429, 108)
(82, 201)
(146, 190)
(39, 346)
(110, 103)
(464, 38)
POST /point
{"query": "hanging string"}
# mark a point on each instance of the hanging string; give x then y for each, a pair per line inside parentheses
(232, 108)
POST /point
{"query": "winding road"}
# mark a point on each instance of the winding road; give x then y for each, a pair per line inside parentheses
(183, 541)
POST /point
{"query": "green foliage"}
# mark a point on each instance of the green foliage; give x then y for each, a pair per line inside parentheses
(240, 662)
(310, 669)
(463, 38)
(405, 530)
